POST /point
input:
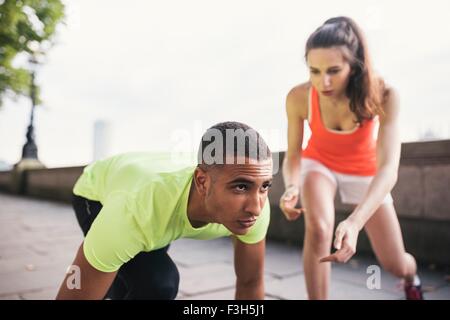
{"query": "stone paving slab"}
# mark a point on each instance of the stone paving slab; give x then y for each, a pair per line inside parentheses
(207, 277)
(443, 293)
(191, 252)
(282, 260)
(294, 288)
(224, 294)
(358, 275)
(41, 294)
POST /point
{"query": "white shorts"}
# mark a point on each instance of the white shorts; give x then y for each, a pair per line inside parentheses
(352, 188)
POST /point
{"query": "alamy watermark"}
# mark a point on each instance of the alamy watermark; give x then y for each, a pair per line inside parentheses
(235, 143)
(73, 280)
(374, 280)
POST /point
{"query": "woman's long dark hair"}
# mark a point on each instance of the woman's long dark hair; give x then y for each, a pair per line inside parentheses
(365, 91)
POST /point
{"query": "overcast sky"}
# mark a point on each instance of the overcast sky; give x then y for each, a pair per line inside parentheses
(161, 72)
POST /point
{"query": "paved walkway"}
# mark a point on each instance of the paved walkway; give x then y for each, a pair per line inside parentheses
(38, 240)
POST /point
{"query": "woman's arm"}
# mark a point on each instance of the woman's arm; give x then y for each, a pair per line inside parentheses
(291, 163)
(388, 159)
(297, 112)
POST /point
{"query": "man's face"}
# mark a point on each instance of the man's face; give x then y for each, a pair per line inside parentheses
(237, 193)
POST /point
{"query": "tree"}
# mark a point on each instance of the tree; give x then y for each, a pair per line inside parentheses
(27, 27)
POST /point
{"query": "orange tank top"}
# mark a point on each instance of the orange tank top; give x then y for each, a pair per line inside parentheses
(350, 152)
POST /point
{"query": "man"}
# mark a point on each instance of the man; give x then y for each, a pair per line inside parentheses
(132, 206)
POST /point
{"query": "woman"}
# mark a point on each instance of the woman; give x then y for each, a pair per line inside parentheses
(344, 103)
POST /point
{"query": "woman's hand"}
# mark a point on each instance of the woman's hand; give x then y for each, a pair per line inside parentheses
(288, 201)
(345, 240)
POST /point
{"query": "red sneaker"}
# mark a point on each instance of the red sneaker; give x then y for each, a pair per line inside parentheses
(413, 292)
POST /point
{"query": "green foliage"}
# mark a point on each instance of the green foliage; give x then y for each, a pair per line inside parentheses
(27, 27)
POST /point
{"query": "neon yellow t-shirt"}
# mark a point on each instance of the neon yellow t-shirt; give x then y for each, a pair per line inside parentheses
(144, 198)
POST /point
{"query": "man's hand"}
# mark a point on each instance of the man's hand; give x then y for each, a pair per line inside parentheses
(288, 201)
(346, 237)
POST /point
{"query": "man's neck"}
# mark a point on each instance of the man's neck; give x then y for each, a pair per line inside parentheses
(196, 211)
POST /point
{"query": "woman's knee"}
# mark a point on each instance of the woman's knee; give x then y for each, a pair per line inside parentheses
(398, 269)
(401, 267)
(320, 232)
(319, 205)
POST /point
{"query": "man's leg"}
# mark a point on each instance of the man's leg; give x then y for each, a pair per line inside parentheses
(149, 275)
(86, 211)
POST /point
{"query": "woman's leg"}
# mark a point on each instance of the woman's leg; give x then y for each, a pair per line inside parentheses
(318, 193)
(383, 230)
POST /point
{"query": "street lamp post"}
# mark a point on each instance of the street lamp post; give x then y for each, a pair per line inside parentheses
(29, 150)
(29, 160)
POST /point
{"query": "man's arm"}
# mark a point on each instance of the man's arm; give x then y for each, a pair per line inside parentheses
(93, 283)
(249, 268)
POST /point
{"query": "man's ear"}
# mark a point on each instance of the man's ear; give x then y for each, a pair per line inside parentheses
(201, 180)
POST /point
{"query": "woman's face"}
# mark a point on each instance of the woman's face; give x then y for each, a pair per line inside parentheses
(329, 71)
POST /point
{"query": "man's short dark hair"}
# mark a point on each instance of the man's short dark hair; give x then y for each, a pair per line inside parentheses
(229, 143)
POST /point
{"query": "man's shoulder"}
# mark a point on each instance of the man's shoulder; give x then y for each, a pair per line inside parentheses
(164, 189)
(155, 161)
(134, 173)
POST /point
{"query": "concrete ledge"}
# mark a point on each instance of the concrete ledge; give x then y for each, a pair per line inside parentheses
(55, 184)
(424, 153)
(5, 180)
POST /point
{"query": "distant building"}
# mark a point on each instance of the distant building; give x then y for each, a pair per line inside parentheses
(102, 139)
(4, 166)
(428, 135)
